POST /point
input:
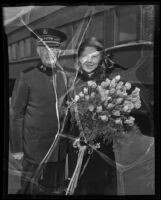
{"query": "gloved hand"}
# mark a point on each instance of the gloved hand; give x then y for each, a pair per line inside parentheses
(18, 156)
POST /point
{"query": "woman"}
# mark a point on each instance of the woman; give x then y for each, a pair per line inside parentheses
(99, 177)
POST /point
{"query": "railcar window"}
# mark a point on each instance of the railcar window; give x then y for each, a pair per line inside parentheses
(95, 27)
(9, 53)
(148, 22)
(127, 20)
(21, 49)
(27, 47)
(14, 51)
(78, 31)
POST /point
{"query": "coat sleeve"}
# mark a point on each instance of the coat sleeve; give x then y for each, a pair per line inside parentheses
(18, 107)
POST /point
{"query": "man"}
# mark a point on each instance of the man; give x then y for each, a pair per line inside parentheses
(34, 119)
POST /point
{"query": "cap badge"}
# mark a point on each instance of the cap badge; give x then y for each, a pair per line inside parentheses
(45, 31)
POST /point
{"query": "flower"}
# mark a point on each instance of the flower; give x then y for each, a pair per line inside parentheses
(119, 100)
(85, 90)
(90, 107)
(92, 84)
(93, 94)
(76, 98)
(108, 102)
(113, 83)
(87, 97)
(118, 121)
(118, 92)
(128, 85)
(107, 92)
(108, 81)
(103, 98)
(103, 84)
(126, 108)
(119, 85)
(136, 92)
(130, 121)
(81, 94)
(110, 105)
(112, 91)
(117, 78)
(99, 109)
(116, 113)
(104, 118)
(137, 105)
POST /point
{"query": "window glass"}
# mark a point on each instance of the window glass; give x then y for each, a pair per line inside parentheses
(9, 53)
(27, 47)
(128, 21)
(95, 28)
(21, 49)
(148, 22)
(13, 51)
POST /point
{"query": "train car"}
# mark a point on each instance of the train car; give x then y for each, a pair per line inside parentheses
(127, 32)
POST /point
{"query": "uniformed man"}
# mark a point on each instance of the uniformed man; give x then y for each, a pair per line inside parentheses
(34, 120)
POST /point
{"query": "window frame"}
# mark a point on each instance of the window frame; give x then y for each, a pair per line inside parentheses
(117, 14)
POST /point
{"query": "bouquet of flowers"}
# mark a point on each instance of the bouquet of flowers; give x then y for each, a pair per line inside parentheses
(103, 111)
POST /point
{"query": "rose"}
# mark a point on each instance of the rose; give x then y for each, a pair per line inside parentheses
(101, 91)
(126, 108)
(90, 107)
(104, 118)
(99, 109)
(107, 92)
(136, 92)
(119, 85)
(118, 121)
(137, 105)
(87, 97)
(104, 84)
(76, 98)
(116, 113)
(130, 121)
(135, 99)
(128, 85)
(93, 94)
(92, 84)
(117, 78)
(118, 93)
(103, 98)
(108, 98)
(85, 90)
(113, 83)
(119, 100)
(107, 81)
(110, 105)
(81, 94)
(112, 91)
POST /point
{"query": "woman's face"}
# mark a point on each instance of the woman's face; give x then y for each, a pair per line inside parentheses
(90, 59)
(48, 55)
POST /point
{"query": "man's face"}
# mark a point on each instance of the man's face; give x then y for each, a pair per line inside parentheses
(48, 55)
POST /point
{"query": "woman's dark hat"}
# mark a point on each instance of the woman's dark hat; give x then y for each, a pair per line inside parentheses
(48, 36)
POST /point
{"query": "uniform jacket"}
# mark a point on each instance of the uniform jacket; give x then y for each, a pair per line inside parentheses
(34, 122)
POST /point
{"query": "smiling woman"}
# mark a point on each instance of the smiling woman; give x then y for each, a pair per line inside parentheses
(90, 55)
